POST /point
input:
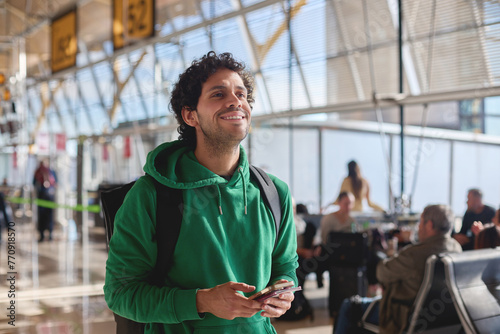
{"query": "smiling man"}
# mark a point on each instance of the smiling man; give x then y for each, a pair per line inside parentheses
(227, 247)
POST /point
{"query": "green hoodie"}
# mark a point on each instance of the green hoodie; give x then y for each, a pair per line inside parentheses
(227, 234)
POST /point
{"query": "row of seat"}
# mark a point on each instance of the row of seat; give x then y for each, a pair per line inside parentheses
(460, 293)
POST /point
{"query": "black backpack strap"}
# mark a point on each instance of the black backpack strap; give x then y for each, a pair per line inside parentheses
(270, 195)
(169, 211)
(111, 201)
(127, 326)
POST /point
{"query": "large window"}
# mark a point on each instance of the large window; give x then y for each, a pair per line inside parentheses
(481, 115)
(492, 115)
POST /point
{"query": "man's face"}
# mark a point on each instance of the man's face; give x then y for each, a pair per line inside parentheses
(346, 203)
(223, 114)
(473, 201)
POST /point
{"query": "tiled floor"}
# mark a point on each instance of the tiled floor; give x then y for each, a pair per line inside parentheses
(58, 286)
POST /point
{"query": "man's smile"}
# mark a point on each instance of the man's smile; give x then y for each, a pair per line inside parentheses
(233, 117)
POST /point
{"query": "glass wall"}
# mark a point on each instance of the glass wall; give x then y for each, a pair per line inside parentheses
(437, 170)
(340, 147)
(426, 170)
(475, 166)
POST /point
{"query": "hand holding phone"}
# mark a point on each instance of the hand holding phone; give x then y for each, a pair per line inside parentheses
(274, 291)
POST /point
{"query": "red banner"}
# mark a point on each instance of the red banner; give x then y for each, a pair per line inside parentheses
(105, 152)
(127, 152)
(60, 142)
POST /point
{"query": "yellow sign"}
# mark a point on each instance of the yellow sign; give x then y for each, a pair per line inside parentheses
(132, 20)
(6, 95)
(64, 42)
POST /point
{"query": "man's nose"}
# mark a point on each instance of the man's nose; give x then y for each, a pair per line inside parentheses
(233, 100)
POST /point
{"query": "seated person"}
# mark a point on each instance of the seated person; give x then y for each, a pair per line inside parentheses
(338, 221)
(309, 245)
(300, 306)
(476, 211)
(487, 236)
(310, 231)
(305, 249)
(378, 251)
(402, 274)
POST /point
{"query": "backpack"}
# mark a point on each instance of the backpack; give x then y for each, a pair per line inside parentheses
(167, 234)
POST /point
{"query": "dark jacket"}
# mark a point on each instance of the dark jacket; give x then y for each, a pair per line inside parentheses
(402, 275)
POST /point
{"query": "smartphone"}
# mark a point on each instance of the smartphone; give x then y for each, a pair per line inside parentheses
(273, 291)
(276, 293)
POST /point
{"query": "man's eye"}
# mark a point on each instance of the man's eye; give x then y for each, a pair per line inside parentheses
(217, 95)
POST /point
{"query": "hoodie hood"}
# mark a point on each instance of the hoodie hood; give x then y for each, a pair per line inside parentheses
(175, 165)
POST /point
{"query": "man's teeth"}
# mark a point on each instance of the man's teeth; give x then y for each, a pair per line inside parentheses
(234, 117)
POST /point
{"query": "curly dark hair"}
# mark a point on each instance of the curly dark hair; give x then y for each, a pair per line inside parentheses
(188, 89)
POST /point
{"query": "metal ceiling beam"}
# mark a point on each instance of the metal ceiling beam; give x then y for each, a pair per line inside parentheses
(356, 126)
(411, 22)
(120, 85)
(251, 46)
(263, 49)
(341, 24)
(161, 39)
(302, 76)
(139, 90)
(410, 69)
(481, 40)
(56, 106)
(85, 52)
(208, 28)
(84, 105)
(393, 130)
(70, 107)
(46, 102)
(174, 29)
(386, 102)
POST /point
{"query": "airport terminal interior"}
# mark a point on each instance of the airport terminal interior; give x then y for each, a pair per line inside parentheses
(408, 90)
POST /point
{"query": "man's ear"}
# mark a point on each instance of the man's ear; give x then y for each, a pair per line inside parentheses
(189, 116)
(430, 225)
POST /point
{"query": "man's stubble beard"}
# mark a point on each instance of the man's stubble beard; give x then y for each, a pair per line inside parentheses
(219, 143)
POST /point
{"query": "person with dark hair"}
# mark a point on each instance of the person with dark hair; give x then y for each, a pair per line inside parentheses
(302, 209)
(340, 220)
(358, 186)
(488, 236)
(188, 91)
(228, 247)
(45, 182)
(5, 215)
(402, 275)
(477, 211)
(311, 241)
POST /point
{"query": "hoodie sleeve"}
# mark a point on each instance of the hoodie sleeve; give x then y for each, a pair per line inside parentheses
(132, 257)
(285, 253)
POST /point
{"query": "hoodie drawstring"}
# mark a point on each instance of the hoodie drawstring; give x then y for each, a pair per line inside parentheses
(240, 170)
(244, 188)
(220, 200)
